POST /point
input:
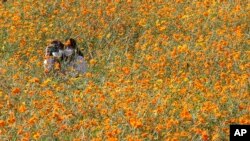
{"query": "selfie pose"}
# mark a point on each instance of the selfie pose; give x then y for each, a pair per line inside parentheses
(67, 59)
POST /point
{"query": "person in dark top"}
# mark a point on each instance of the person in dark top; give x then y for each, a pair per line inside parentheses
(53, 56)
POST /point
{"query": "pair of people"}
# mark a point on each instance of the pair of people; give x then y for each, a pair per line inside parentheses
(65, 58)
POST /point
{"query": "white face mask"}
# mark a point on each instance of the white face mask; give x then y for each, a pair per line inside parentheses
(61, 52)
(58, 54)
(68, 52)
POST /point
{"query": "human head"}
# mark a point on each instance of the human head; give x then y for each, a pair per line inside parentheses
(55, 49)
(70, 47)
(70, 42)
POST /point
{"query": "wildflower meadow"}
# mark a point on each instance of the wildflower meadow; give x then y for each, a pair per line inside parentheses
(157, 70)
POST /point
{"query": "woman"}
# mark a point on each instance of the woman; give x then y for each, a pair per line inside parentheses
(53, 56)
(73, 58)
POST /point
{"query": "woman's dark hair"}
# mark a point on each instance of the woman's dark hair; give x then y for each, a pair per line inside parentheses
(72, 42)
(73, 45)
(57, 44)
(79, 52)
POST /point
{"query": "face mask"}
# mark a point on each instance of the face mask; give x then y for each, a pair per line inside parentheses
(61, 51)
(58, 54)
(68, 52)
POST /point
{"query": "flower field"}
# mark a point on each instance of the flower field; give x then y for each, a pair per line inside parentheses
(157, 70)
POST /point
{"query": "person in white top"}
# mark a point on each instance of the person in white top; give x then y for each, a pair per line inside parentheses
(73, 58)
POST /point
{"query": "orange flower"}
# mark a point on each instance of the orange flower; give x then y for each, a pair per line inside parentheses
(22, 108)
(144, 135)
(185, 114)
(16, 90)
(57, 66)
(32, 120)
(136, 123)
(2, 71)
(129, 1)
(204, 135)
(35, 80)
(36, 136)
(46, 71)
(26, 137)
(126, 70)
(2, 123)
(142, 22)
(12, 118)
(15, 18)
(159, 128)
(92, 61)
(112, 139)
